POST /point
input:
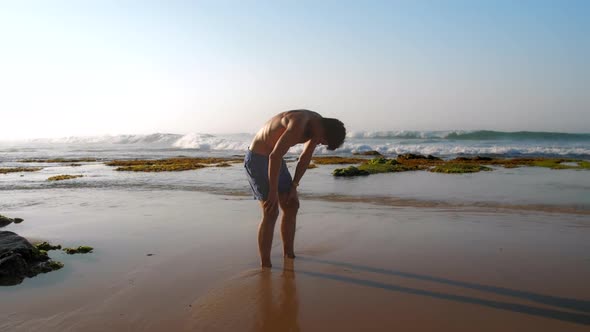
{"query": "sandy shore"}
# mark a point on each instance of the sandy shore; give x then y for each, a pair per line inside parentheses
(360, 267)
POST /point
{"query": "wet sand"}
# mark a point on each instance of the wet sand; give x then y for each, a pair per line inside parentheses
(360, 267)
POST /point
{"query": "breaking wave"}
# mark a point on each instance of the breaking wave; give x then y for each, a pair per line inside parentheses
(479, 135)
(208, 142)
(445, 150)
(449, 143)
(156, 138)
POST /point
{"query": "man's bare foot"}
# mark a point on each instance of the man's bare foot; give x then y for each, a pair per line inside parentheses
(290, 255)
(265, 264)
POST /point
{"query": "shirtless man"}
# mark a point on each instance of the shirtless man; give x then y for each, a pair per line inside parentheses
(269, 177)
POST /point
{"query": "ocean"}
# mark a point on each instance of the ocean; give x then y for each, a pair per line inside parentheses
(445, 144)
(528, 187)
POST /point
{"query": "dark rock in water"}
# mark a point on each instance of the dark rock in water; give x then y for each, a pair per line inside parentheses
(411, 156)
(20, 259)
(476, 158)
(349, 171)
(5, 221)
(459, 168)
(382, 161)
(368, 153)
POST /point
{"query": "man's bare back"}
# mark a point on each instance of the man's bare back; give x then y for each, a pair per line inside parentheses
(266, 138)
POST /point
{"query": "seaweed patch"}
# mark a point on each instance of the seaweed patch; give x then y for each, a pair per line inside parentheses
(5, 170)
(64, 177)
(170, 164)
(459, 165)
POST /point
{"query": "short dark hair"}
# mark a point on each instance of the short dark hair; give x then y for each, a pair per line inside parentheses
(334, 131)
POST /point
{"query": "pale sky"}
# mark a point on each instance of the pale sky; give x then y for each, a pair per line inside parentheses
(80, 68)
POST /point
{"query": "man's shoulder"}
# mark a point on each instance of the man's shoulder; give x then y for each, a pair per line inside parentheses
(304, 112)
(301, 116)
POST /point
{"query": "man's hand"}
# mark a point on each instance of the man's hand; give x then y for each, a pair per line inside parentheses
(272, 200)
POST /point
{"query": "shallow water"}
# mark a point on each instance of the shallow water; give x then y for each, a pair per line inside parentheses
(525, 188)
(502, 187)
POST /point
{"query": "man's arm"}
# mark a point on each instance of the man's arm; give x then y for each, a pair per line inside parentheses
(304, 160)
(287, 140)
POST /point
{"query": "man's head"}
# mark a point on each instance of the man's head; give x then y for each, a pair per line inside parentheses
(334, 133)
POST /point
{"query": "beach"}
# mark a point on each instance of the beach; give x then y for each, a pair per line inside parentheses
(359, 267)
(505, 249)
(435, 155)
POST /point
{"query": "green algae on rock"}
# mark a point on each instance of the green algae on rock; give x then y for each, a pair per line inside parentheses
(413, 162)
(19, 259)
(384, 165)
(160, 168)
(349, 171)
(367, 153)
(47, 246)
(79, 250)
(552, 163)
(378, 165)
(334, 160)
(5, 170)
(562, 164)
(55, 265)
(63, 177)
(4, 221)
(411, 156)
(170, 164)
(455, 168)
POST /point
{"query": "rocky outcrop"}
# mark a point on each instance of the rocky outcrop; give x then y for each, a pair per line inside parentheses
(5, 221)
(64, 177)
(367, 153)
(19, 259)
(349, 171)
(79, 250)
(411, 156)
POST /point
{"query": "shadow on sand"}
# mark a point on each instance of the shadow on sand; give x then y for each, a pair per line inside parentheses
(566, 303)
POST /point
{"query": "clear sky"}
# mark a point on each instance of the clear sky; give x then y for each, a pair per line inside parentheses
(127, 67)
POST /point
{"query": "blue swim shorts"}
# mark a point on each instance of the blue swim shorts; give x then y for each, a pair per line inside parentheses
(256, 166)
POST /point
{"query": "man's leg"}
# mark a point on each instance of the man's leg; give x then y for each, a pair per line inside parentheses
(290, 209)
(265, 233)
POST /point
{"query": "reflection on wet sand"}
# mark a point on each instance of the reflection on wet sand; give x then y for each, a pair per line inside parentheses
(278, 308)
(256, 300)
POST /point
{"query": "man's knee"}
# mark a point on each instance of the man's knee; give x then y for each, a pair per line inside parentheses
(270, 213)
(291, 207)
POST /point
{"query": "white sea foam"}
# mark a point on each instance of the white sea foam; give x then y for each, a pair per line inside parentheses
(211, 142)
(402, 134)
(156, 138)
(459, 149)
(388, 142)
